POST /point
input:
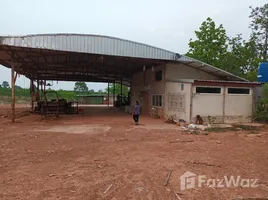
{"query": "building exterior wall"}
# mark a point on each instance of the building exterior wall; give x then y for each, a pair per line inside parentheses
(144, 83)
(179, 97)
(178, 100)
(238, 107)
(208, 105)
(182, 71)
(224, 107)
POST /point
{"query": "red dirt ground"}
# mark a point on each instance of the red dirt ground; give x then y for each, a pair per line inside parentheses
(80, 156)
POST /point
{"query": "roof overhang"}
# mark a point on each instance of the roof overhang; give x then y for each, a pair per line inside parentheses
(89, 58)
(226, 83)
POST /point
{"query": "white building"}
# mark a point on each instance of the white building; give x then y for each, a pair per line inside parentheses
(184, 92)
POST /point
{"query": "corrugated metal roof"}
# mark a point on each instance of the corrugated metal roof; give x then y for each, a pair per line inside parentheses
(104, 45)
(95, 44)
(210, 69)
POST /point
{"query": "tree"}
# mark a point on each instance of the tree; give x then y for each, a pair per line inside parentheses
(125, 89)
(232, 54)
(80, 87)
(5, 84)
(259, 26)
(18, 87)
(210, 45)
(241, 57)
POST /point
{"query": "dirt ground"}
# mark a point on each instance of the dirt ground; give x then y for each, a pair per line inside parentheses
(102, 155)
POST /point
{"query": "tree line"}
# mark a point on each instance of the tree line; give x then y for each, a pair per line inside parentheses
(80, 88)
(233, 53)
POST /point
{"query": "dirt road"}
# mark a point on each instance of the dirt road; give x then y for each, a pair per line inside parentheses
(102, 155)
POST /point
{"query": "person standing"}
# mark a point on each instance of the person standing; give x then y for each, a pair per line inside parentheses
(136, 113)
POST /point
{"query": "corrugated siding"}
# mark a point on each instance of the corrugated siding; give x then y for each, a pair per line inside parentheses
(90, 44)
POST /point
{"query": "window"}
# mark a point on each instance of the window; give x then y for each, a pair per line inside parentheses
(238, 91)
(157, 100)
(208, 90)
(158, 75)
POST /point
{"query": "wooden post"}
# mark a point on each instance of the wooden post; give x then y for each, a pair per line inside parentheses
(13, 92)
(108, 94)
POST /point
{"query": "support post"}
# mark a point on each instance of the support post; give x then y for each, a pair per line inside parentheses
(121, 91)
(32, 95)
(108, 94)
(41, 86)
(130, 92)
(45, 83)
(114, 93)
(38, 95)
(13, 92)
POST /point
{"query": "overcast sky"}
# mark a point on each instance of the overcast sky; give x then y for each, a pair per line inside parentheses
(166, 24)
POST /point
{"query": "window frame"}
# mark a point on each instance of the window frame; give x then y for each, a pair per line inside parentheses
(159, 71)
(152, 100)
(221, 90)
(227, 91)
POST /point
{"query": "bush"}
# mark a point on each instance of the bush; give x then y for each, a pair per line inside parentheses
(261, 114)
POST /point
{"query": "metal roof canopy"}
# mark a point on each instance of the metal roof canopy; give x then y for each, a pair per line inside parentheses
(89, 58)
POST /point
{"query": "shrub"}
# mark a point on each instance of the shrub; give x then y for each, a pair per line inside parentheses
(261, 114)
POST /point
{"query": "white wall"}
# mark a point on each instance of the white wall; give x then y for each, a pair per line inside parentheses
(184, 110)
(238, 107)
(208, 105)
(181, 71)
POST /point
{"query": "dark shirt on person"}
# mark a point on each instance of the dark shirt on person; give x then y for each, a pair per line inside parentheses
(137, 110)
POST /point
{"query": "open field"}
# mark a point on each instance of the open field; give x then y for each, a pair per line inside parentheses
(102, 155)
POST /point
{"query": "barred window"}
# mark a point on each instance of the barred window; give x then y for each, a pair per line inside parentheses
(157, 100)
(208, 90)
(238, 91)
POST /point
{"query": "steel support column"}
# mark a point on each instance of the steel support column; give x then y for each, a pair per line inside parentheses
(114, 94)
(32, 95)
(38, 93)
(121, 91)
(13, 92)
(108, 94)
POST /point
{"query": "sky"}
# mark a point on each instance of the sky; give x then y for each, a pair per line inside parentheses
(166, 24)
